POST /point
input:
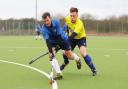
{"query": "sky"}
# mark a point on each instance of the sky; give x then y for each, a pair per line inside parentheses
(27, 8)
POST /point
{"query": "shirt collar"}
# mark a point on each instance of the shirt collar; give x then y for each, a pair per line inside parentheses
(53, 24)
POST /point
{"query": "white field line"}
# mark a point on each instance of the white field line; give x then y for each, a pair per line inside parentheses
(54, 85)
(126, 53)
(107, 55)
(107, 49)
(13, 39)
(19, 47)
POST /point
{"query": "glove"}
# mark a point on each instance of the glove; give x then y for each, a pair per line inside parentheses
(72, 35)
(57, 48)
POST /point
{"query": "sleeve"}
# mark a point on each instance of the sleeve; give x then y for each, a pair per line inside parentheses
(38, 27)
(45, 34)
(49, 46)
(46, 38)
(50, 49)
(60, 32)
(65, 28)
(58, 26)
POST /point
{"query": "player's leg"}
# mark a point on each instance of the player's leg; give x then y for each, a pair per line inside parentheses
(36, 35)
(39, 35)
(55, 66)
(66, 61)
(69, 54)
(87, 58)
(72, 56)
(54, 63)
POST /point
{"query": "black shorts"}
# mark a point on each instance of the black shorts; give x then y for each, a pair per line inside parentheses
(38, 33)
(77, 42)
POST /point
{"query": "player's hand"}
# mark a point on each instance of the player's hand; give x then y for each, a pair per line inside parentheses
(70, 39)
(57, 48)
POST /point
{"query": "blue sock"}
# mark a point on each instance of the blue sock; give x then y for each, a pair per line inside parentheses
(88, 61)
(66, 61)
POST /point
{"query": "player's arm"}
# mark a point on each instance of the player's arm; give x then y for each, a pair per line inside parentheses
(58, 26)
(47, 40)
(65, 28)
(50, 48)
(77, 30)
(60, 32)
(73, 35)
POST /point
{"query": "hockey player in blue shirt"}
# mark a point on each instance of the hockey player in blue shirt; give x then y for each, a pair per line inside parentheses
(38, 32)
(55, 36)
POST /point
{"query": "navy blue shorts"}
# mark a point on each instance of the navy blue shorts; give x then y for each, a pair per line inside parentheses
(64, 45)
(38, 33)
(77, 42)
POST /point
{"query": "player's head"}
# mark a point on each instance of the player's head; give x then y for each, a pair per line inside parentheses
(73, 14)
(46, 17)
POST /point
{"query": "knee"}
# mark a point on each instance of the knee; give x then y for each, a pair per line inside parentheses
(68, 54)
(83, 51)
(66, 61)
(83, 54)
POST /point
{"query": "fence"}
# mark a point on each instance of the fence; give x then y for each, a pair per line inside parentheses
(27, 26)
(17, 27)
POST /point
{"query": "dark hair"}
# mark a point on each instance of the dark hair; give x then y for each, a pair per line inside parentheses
(44, 16)
(73, 9)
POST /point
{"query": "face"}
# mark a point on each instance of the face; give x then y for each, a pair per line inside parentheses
(73, 16)
(47, 21)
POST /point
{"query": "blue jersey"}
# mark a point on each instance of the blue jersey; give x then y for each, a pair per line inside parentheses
(65, 28)
(38, 29)
(54, 34)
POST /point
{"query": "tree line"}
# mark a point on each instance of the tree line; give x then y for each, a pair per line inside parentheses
(27, 26)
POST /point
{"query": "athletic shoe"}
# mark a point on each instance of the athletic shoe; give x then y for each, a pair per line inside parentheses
(59, 76)
(62, 66)
(78, 63)
(94, 72)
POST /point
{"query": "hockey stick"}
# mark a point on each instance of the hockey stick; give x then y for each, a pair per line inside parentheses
(38, 58)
